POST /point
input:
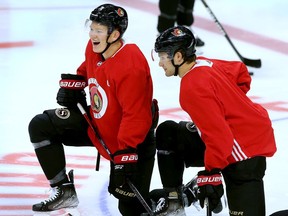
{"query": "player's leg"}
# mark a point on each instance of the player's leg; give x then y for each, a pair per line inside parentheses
(47, 133)
(244, 187)
(170, 161)
(185, 17)
(178, 145)
(185, 12)
(168, 14)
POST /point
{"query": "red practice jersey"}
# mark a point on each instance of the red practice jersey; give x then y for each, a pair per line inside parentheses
(121, 95)
(232, 127)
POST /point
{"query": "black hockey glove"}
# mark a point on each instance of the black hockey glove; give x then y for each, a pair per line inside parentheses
(210, 187)
(125, 165)
(71, 91)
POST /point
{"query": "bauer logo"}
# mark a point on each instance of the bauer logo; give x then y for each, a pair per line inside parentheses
(213, 180)
(127, 158)
(71, 84)
(125, 193)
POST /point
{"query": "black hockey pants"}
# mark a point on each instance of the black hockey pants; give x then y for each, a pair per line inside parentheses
(53, 128)
(245, 188)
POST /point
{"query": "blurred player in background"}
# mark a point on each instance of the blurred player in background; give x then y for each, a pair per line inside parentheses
(179, 12)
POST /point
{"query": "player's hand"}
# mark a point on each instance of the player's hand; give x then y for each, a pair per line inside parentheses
(210, 187)
(125, 165)
(71, 91)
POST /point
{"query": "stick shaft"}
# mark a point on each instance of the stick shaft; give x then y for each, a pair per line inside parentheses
(131, 185)
(249, 62)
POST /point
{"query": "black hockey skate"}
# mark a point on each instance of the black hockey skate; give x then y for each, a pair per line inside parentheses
(199, 42)
(63, 196)
(167, 202)
(190, 194)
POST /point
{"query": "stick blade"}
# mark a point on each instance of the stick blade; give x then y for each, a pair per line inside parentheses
(256, 63)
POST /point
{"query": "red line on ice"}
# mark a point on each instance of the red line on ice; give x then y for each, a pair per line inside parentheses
(263, 41)
(207, 24)
(16, 44)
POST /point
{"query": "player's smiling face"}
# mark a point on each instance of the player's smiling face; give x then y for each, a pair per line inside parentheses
(98, 34)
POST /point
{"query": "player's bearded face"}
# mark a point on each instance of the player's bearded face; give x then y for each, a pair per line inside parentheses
(98, 34)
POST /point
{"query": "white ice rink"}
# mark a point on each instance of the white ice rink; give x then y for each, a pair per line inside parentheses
(39, 40)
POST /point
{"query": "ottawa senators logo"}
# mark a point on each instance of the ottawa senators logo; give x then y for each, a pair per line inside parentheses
(98, 98)
(120, 12)
(177, 32)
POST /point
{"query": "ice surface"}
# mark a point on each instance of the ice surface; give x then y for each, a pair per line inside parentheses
(39, 40)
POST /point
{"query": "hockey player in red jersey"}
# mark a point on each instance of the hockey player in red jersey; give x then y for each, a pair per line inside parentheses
(230, 135)
(121, 110)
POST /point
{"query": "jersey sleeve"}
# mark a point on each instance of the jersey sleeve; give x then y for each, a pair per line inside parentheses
(242, 77)
(82, 69)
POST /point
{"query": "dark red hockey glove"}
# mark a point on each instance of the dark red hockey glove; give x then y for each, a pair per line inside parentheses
(125, 165)
(210, 186)
(71, 91)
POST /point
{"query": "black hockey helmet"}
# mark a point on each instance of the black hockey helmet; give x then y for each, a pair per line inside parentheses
(175, 39)
(112, 16)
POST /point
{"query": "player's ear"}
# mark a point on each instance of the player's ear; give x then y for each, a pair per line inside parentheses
(114, 36)
(178, 58)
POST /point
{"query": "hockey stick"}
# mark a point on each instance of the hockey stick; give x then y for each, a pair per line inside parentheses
(91, 126)
(209, 212)
(249, 62)
(131, 185)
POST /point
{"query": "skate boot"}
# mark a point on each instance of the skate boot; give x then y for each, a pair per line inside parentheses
(63, 196)
(169, 202)
(190, 194)
(199, 42)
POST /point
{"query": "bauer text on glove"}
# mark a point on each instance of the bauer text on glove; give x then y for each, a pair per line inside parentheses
(210, 187)
(71, 91)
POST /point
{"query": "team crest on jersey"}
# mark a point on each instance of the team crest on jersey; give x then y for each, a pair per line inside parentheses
(98, 98)
(62, 113)
(97, 102)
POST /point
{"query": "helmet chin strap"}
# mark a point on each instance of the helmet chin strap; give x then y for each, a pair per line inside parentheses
(177, 67)
(107, 46)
